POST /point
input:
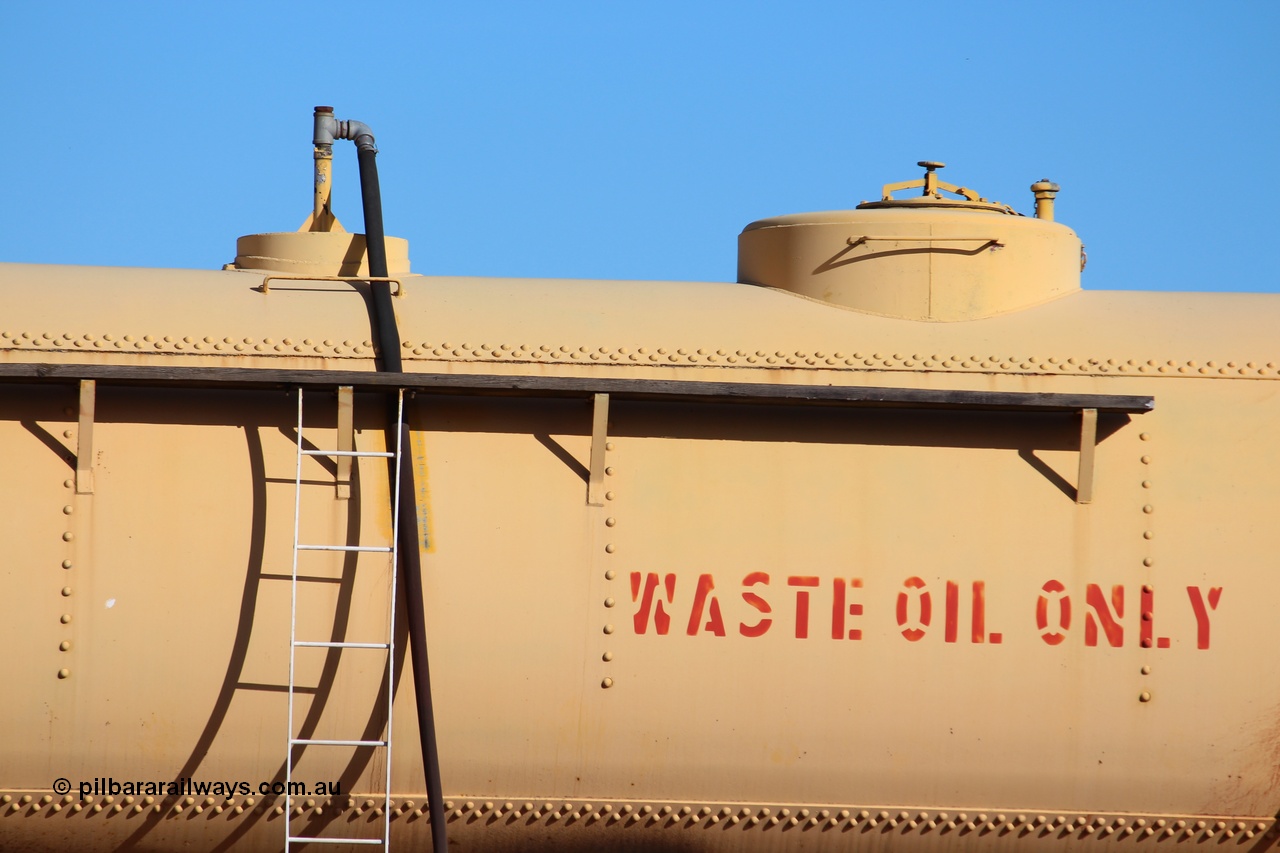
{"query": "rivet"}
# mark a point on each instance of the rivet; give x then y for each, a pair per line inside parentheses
(1145, 460)
(1145, 436)
(610, 522)
(1147, 561)
(66, 590)
(66, 433)
(1148, 509)
(1147, 534)
(610, 575)
(1144, 696)
(608, 629)
(67, 510)
(65, 618)
(66, 564)
(64, 673)
(607, 656)
(1146, 484)
(610, 548)
(64, 646)
(609, 602)
(608, 496)
(1146, 669)
(66, 484)
(608, 445)
(68, 536)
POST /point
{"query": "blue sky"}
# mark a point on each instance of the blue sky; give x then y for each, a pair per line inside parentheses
(612, 140)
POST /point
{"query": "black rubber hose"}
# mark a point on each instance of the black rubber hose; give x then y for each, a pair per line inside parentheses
(376, 245)
(408, 539)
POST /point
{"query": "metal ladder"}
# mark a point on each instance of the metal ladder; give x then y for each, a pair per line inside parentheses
(297, 743)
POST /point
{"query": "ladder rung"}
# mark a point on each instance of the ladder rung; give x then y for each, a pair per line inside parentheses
(308, 839)
(306, 741)
(378, 454)
(375, 548)
(327, 644)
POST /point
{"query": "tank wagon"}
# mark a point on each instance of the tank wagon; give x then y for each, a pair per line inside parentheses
(901, 541)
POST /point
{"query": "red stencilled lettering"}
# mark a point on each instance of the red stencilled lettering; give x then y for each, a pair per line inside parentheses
(1056, 589)
(802, 602)
(1202, 613)
(838, 609)
(978, 615)
(952, 621)
(925, 609)
(1110, 625)
(758, 603)
(979, 631)
(704, 598)
(653, 595)
(661, 621)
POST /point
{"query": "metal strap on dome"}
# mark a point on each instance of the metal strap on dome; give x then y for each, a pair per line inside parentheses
(931, 194)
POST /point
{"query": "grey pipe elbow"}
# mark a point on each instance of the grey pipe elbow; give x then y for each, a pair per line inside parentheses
(358, 132)
(327, 129)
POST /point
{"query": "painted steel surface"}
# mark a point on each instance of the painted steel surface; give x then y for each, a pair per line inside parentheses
(782, 627)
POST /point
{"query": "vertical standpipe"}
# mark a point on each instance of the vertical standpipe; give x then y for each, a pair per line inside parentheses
(322, 206)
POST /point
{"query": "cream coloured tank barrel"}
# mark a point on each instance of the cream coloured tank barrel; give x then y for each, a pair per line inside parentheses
(903, 541)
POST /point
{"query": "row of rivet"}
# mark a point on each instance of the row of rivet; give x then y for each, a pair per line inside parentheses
(67, 536)
(1147, 560)
(671, 814)
(610, 523)
(840, 360)
(171, 343)
(28, 804)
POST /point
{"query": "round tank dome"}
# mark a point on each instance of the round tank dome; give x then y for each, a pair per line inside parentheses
(323, 253)
(929, 257)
